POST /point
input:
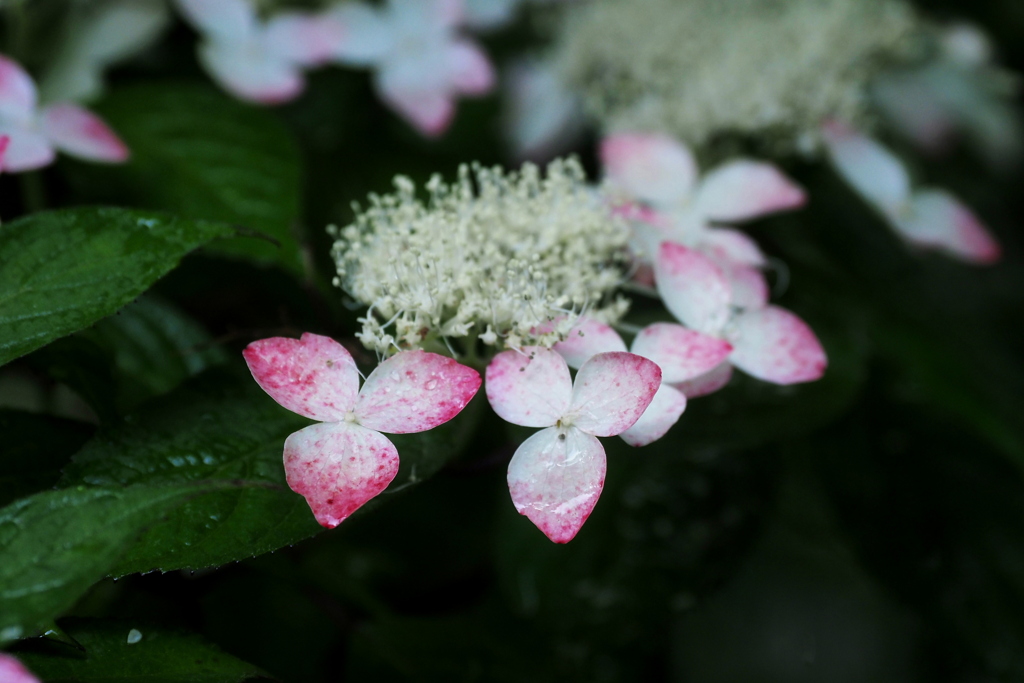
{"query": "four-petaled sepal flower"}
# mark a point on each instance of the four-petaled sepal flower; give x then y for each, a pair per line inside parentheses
(341, 463)
(556, 475)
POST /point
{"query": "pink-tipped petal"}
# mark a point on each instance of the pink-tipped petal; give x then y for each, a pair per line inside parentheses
(81, 133)
(681, 353)
(708, 383)
(938, 220)
(531, 388)
(693, 287)
(13, 671)
(731, 245)
(555, 478)
(5, 140)
(313, 376)
(612, 391)
(743, 189)
(26, 150)
(337, 467)
(587, 339)
(774, 345)
(653, 168)
(225, 19)
(252, 73)
(426, 105)
(748, 285)
(469, 70)
(869, 168)
(17, 92)
(414, 391)
(366, 36)
(305, 39)
(666, 408)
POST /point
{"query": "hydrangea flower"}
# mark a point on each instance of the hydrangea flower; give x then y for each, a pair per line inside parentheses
(344, 461)
(13, 671)
(421, 64)
(769, 342)
(259, 61)
(556, 475)
(682, 354)
(35, 134)
(928, 218)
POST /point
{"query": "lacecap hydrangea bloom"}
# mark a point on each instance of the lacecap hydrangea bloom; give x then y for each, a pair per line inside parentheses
(507, 258)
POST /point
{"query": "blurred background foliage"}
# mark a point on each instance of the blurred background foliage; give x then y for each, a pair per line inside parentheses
(865, 528)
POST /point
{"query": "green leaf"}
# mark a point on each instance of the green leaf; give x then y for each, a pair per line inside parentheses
(35, 448)
(214, 429)
(61, 271)
(199, 153)
(57, 544)
(132, 651)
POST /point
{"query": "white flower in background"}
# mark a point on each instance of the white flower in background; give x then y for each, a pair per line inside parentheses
(543, 116)
(926, 218)
(97, 36)
(511, 258)
(255, 60)
(421, 63)
(36, 134)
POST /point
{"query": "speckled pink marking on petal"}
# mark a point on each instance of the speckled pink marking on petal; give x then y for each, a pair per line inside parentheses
(13, 671)
(611, 392)
(708, 383)
(744, 189)
(666, 408)
(337, 467)
(681, 353)
(81, 133)
(531, 388)
(555, 479)
(314, 376)
(693, 287)
(588, 338)
(651, 167)
(776, 346)
(414, 391)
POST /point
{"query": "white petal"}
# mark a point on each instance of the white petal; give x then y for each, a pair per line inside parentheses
(426, 17)
(666, 408)
(531, 388)
(26, 150)
(413, 90)
(302, 38)
(745, 189)
(414, 391)
(250, 72)
(693, 287)
(337, 467)
(681, 353)
(869, 168)
(543, 111)
(748, 285)
(313, 376)
(654, 168)
(17, 92)
(469, 70)
(611, 392)
(708, 383)
(81, 133)
(774, 345)
(938, 220)
(223, 19)
(485, 15)
(366, 34)
(587, 339)
(736, 246)
(555, 479)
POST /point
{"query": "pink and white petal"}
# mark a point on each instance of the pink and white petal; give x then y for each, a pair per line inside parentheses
(555, 479)
(313, 376)
(366, 35)
(469, 70)
(250, 73)
(939, 220)
(426, 16)
(13, 671)
(5, 140)
(611, 392)
(26, 150)
(337, 467)
(587, 339)
(650, 167)
(868, 167)
(666, 408)
(79, 132)
(744, 189)
(428, 108)
(531, 388)
(774, 345)
(749, 286)
(303, 38)
(17, 92)
(681, 353)
(693, 287)
(708, 383)
(414, 391)
(732, 245)
(224, 19)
